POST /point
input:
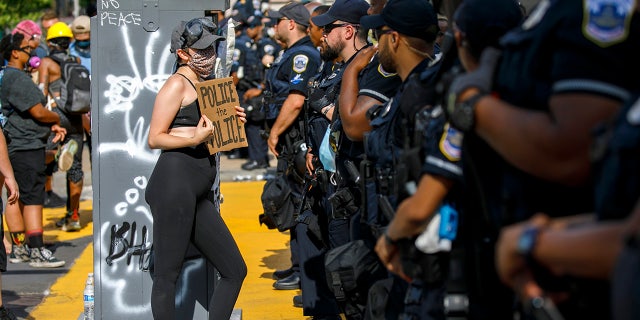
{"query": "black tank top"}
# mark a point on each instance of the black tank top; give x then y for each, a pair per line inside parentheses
(189, 115)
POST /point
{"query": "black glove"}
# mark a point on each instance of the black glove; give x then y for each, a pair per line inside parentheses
(461, 113)
(318, 99)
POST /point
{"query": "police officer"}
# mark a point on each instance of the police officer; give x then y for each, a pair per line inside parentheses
(285, 93)
(364, 84)
(249, 52)
(528, 151)
(410, 145)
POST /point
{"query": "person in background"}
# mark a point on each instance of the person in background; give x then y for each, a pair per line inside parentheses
(27, 125)
(49, 17)
(81, 45)
(7, 179)
(81, 48)
(67, 155)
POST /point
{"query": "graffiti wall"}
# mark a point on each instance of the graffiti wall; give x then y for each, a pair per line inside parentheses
(130, 62)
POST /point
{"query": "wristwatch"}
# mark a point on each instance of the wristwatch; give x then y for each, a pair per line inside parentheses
(463, 114)
(527, 242)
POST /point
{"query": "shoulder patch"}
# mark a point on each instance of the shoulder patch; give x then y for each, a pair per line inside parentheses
(384, 73)
(269, 49)
(633, 116)
(300, 63)
(607, 22)
(236, 54)
(451, 143)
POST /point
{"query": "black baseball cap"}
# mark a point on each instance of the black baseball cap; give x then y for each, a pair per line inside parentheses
(295, 11)
(197, 33)
(414, 18)
(344, 10)
(484, 22)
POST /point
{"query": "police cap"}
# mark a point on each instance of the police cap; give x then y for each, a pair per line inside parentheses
(295, 11)
(414, 18)
(483, 22)
(344, 10)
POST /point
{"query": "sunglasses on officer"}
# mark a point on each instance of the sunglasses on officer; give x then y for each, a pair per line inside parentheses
(328, 28)
(377, 33)
(194, 28)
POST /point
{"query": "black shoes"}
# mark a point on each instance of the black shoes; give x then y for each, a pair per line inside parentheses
(6, 314)
(281, 274)
(297, 301)
(252, 165)
(291, 282)
(52, 200)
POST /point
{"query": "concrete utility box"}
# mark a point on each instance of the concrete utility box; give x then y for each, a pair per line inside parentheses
(130, 62)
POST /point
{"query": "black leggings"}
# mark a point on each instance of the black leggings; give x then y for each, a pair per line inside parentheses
(177, 194)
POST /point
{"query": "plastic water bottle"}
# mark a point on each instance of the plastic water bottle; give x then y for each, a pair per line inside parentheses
(88, 298)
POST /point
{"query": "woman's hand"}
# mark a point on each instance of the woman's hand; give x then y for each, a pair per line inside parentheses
(240, 114)
(204, 130)
(59, 132)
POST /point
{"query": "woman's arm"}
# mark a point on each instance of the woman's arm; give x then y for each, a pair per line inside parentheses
(165, 108)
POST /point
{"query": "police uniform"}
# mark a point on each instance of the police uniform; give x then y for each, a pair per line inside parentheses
(248, 55)
(563, 47)
(376, 83)
(410, 138)
(290, 72)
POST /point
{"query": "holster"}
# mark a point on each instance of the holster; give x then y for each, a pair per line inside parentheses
(343, 204)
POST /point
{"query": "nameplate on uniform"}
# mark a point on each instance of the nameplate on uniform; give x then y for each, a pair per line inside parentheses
(218, 99)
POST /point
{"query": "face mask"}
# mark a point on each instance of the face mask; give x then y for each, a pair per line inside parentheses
(203, 61)
(83, 44)
(34, 62)
(326, 155)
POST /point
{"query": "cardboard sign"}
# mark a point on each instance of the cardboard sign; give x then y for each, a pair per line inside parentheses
(217, 99)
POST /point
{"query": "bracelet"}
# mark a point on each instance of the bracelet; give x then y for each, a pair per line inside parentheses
(327, 108)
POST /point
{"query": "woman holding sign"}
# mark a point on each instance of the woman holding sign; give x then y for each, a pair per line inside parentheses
(179, 186)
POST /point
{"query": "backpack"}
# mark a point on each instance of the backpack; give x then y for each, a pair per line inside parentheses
(279, 204)
(351, 269)
(75, 96)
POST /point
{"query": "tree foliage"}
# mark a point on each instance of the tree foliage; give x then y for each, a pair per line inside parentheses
(14, 11)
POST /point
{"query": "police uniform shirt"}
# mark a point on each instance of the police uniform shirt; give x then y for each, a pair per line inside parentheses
(568, 46)
(373, 82)
(268, 47)
(565, 47)
(377, 83)
(299, 68)
(249, 60)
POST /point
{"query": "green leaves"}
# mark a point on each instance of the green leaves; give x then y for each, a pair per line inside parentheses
(14, 11)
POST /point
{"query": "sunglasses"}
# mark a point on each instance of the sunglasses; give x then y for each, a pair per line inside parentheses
(26, 49)
(282, 19)
(328, 28)
(377, 33)
(194, 28)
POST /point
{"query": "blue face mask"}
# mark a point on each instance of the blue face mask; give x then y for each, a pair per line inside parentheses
(326, 154)
(83, 44)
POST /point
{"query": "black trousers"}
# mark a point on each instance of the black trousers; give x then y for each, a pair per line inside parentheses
(258, 149)
(183, 213)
